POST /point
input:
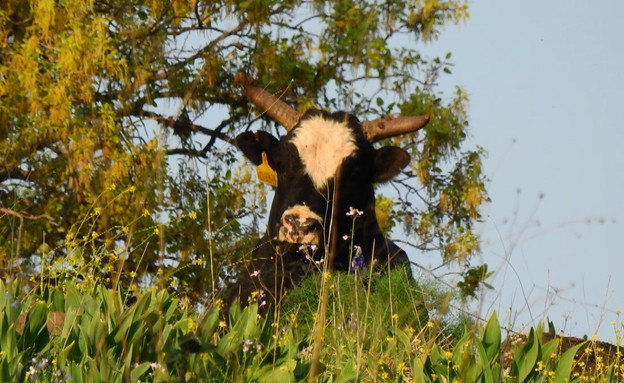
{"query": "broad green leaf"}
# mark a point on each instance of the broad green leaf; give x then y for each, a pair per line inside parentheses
(418, 369)
(527, 358)
(492, 338)
(209, 324)
(484, 362)
(550, 348)
(564, 365)
(348, 372)
(138, 371)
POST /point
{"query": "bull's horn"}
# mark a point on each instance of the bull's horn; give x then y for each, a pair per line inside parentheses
(275, 108)
(392, 126)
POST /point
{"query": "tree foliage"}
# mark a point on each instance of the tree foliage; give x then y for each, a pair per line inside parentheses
(117, 121)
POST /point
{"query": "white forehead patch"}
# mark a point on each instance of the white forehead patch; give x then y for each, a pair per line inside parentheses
(323, 145)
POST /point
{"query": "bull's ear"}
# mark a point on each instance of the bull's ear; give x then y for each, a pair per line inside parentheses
(389, 161)
(252, 144)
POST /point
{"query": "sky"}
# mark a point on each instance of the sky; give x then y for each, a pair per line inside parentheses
(546, 85)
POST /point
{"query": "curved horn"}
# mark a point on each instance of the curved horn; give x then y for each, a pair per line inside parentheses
(392, 126)
(275, 108)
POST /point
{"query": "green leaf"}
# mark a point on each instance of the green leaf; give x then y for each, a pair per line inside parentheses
(348, 372)
(138, 371)
(418, 369)
(5, 371)
(209, 324)
(527, 358)
(484, 362)
(564, 365)
(550, 348)
(492, 338)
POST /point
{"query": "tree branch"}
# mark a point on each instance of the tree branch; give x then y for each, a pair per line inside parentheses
(187, 126)
(23, 215)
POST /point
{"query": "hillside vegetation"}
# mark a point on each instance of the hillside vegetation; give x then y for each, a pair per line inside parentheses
(378, 328)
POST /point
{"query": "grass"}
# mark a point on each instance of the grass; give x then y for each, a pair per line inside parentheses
(379, 328)
(71, 323)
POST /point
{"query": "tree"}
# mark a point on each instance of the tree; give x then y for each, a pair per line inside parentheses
(112, 113)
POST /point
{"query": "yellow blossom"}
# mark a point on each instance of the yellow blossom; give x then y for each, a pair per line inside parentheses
(193, 215)
(112, 187)
(192, 325)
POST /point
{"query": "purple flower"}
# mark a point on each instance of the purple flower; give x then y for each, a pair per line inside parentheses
(358, 261)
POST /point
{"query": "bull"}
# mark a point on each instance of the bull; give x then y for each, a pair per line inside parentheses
(323, 211)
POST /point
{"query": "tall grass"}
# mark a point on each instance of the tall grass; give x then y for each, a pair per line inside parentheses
(379, 328)
(72, 323)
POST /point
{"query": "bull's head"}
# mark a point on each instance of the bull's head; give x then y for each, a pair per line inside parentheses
(326, 167)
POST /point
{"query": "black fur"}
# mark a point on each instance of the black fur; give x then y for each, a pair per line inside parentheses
(276, 266)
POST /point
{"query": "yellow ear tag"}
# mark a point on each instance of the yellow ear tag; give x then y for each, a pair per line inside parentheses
(265, 172)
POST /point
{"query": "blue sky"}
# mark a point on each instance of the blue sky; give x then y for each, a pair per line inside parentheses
(546, 85)
(546, 89)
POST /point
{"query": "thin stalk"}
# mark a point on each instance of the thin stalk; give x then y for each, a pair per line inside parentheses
(210, 253)
(319, 327)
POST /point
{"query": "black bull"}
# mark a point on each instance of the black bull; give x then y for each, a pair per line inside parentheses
(324, 204)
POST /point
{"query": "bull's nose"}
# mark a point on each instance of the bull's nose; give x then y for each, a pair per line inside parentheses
(299, 223)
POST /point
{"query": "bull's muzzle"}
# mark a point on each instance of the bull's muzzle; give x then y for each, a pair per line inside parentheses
(300, 225)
